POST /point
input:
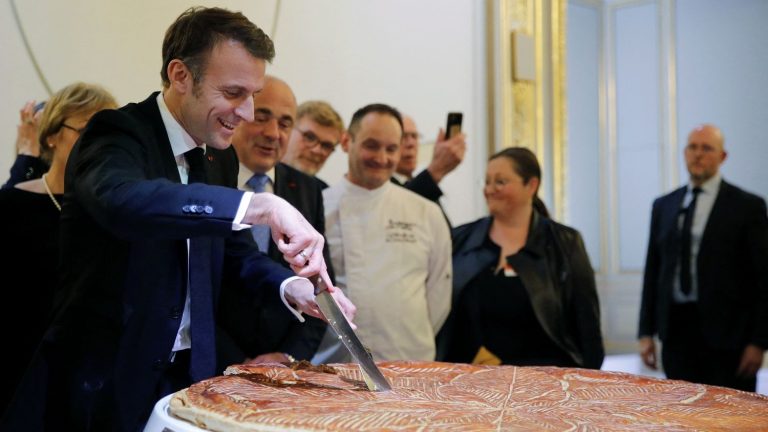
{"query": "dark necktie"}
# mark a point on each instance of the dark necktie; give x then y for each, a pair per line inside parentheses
(261, 233)
(685, 244)
(203, 356)
(196, 161)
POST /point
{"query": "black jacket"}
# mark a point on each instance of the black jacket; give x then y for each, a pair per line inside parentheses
(249, 326)
(731, 269)
(555, 270)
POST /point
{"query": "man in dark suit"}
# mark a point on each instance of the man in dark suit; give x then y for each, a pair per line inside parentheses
(705, 289)
(143, 254)
(263, 329)
(447, 156)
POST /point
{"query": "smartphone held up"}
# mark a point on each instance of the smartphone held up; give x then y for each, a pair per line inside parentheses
(453, 124)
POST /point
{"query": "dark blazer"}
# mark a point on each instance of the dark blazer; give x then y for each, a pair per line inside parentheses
(731, 269)
(25, 168)
(555, 270)
(263, 324)
(423, 184)
(123, 278)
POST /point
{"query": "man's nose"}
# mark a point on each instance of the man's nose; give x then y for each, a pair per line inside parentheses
(245, 110)
(381, 157)
(271, 129)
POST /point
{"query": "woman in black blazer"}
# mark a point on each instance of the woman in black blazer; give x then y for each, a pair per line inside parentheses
(523, 288)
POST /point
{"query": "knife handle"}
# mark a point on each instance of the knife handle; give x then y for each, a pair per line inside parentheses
(318, 283)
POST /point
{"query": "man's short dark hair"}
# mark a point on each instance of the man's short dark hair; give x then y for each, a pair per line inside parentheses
(379, 108)
(198, 29)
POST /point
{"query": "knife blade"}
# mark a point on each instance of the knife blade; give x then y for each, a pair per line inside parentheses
(372, 376)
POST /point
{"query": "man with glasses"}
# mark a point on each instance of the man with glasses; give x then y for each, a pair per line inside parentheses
(447, 156)
(261, 328)
(705, 289)
(317, 131)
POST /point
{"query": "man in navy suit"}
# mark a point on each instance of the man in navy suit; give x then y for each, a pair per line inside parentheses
(143, 254)
(705, 289)
(262, 329)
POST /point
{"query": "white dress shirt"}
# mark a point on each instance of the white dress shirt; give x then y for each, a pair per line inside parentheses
(704, 203)
(182, 142)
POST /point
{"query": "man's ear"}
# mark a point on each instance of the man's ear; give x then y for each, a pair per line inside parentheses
(346, 141)
(179, 76)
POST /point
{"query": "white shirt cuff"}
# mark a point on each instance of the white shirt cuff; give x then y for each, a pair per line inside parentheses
(237, 223)
(285, 302)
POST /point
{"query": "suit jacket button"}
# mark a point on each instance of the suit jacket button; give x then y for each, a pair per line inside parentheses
(185, 209)
(158, 364)
(175, 313)
(193, 208)
(208, 209)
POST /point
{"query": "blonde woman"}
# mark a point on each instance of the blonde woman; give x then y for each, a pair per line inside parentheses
(29, 226)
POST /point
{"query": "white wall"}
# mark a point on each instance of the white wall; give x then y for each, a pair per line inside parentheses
(663, 66)
(425, 58)
(722, 77)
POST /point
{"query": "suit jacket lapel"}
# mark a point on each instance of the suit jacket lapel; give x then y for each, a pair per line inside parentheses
(718, 216)
(151, 112)
(286, 187)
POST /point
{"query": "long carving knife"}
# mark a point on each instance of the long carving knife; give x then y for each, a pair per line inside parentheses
(373, 377)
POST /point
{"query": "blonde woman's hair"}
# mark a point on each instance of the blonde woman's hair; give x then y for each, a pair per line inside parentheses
(73, 100)
(321, 113)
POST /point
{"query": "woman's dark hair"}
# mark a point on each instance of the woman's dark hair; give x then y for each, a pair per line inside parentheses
(197, 30)
(526, 165)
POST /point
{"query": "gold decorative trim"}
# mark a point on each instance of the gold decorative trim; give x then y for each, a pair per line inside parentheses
(530, 114)
(559, 107)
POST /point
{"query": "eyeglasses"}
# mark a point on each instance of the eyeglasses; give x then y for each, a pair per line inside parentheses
(499, 183)
(76, 130)
(705, 148)
(412, 135)
(313, 140)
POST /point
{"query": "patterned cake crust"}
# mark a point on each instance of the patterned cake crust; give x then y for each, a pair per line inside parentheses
(459, 397)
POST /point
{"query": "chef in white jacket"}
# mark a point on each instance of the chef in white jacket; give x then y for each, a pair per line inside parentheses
(390, 247)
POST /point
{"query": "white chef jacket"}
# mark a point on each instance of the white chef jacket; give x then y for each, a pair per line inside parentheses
(391, 252)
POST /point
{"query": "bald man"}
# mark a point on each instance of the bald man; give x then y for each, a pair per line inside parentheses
(259, 328)
(705, 289)
(448, 154)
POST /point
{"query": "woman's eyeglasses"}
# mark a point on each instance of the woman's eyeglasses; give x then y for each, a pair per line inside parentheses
(76, 130)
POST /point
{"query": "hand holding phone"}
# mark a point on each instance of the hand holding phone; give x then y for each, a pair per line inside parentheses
(453, 125)
(448, 152)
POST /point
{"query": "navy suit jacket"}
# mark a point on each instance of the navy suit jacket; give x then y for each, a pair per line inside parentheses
(731, 269)
(263, 324)
(25, 168)
(123, 278)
